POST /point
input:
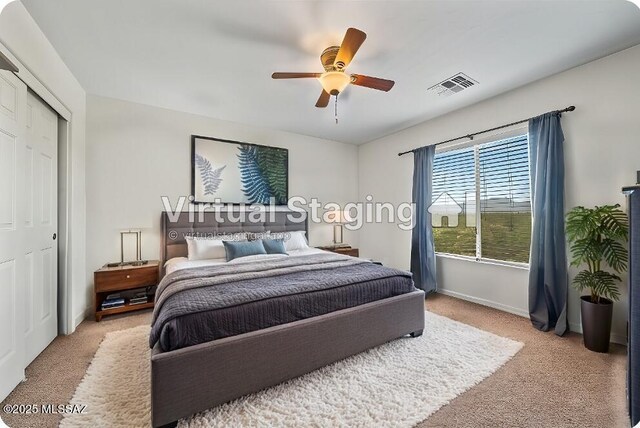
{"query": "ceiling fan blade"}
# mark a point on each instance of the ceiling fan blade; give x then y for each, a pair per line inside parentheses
(294, 75)
(323, 101)
(352, 41)
(372, 82)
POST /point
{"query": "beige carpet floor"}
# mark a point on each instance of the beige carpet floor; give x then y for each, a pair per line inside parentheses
(551, 382)
(398, 384)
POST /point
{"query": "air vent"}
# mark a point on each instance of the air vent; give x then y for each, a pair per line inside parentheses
(453, 85)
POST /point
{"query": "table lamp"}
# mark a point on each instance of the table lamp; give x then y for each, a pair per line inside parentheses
(337, 218)
(130, 249)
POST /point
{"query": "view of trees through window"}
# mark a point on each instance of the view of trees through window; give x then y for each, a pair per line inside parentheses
(481, 201)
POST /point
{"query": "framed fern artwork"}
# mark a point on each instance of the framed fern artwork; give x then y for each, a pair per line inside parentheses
(233, 172)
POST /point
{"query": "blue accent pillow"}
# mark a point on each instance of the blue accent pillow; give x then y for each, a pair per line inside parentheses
(274, 246)
(237, 249)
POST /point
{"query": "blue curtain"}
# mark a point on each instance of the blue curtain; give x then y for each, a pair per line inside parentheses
(548, 281)
(423, 255)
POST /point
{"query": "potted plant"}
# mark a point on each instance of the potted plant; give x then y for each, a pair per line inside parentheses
(597, 237)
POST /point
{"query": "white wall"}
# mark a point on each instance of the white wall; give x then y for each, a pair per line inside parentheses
(21, 35)
(602, 154)
(138, 153)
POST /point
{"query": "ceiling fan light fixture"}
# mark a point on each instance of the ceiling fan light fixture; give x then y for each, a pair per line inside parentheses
(334, 82)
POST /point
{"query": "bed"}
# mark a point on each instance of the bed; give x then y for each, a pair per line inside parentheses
(212, 340)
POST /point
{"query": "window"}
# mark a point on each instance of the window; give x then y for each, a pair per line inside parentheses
(481, 203)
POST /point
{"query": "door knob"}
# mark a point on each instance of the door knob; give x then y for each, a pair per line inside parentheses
(54, 236)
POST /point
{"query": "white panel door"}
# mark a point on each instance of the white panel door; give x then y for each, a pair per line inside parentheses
(13, 98)
(40, 191)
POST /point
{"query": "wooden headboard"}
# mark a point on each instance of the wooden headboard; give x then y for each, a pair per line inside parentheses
(176, 228)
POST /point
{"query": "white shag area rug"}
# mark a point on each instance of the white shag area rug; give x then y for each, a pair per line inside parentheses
(397, 384)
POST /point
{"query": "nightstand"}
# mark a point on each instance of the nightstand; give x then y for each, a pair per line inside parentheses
(347, 251)
(111, 280)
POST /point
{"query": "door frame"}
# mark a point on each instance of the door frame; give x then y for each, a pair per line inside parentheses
(66, 323)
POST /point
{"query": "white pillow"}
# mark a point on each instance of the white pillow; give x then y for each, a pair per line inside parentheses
(296, 241)
(210, 248)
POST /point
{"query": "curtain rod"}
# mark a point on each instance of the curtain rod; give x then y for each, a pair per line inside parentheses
(470, 136)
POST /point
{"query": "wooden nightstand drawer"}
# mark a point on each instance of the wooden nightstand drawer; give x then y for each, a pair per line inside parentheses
(126, 279)
(353, 252)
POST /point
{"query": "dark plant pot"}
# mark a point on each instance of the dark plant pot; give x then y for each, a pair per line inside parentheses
(596, 323)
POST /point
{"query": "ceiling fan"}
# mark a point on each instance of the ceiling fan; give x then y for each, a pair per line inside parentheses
(335, 59)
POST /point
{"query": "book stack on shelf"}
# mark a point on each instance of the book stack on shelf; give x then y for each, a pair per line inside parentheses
(139, 298)
(113, 301)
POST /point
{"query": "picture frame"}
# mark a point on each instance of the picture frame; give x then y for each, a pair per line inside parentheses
(234, 172)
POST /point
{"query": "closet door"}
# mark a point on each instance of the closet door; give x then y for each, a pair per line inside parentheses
(13, 99)
(41, 222)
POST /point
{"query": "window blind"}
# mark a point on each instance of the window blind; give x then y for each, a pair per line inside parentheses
(481, 201)
(453, 204)
(505, 203)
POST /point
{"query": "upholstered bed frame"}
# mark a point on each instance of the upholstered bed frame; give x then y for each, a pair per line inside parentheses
(193, 379)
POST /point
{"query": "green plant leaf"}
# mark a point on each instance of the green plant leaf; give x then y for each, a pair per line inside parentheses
(583, 280)
(615, 254)
(606, 285)
(614, 223)
(585, 251)
(601, 284)
(580, 223)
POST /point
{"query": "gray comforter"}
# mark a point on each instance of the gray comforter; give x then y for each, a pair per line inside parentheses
(187, 300)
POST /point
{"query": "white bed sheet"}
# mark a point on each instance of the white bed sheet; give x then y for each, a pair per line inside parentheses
(179, 263)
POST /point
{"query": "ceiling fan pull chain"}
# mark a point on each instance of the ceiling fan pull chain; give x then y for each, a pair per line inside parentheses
(336, 110)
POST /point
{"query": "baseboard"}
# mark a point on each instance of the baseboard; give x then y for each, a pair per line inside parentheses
(575, 327)
(615, 338)
(485, 302)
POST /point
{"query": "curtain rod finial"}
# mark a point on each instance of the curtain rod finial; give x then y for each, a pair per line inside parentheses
(571, 108)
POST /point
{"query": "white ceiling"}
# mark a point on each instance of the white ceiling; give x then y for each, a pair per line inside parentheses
(215, 58)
